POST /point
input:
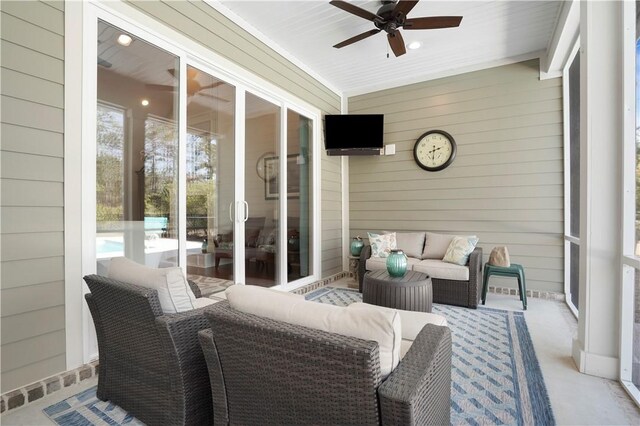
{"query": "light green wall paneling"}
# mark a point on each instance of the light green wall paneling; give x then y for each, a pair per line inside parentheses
(202, 23)
(32, 289)
(32, 243)
(506, 184)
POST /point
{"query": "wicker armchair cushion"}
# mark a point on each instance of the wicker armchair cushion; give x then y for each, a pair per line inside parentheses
(173, 290)
(369, 323)
(201, 302)
(264, 302)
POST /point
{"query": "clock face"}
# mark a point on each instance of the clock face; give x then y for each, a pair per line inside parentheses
(435, 150)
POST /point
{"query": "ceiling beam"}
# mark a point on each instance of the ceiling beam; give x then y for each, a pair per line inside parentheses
(565, 35)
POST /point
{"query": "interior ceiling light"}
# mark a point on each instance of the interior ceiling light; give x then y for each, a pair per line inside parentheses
(145, 102)
(124, 39)
(414, 45)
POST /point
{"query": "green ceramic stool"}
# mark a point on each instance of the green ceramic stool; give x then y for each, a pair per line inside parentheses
(515, 270)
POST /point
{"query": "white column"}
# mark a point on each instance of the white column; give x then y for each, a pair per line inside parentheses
(596, 349)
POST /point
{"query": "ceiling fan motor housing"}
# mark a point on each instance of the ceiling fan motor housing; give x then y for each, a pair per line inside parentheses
(390, 23)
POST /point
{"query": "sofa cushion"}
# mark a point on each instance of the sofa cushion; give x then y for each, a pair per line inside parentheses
(460, 249)
(436, 245)
(382, 244)
(383, 327)
(412, 243)
(173, 290)
(412, 323)
(377, 263)
(442, 270)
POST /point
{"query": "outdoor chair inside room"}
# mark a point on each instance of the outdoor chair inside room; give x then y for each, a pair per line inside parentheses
(151, 363)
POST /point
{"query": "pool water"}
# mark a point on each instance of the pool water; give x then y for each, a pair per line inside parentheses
(109, 246)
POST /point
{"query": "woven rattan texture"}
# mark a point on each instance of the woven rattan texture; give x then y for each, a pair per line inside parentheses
(151, 364)
(412, 292)
(450, 292)
(272, 372)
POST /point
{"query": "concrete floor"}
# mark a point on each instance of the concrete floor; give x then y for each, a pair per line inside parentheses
(577, 399)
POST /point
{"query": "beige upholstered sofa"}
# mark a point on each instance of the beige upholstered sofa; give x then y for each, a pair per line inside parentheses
(452, 284)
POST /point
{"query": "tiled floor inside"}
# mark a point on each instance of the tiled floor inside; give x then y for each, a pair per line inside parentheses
(577, 399)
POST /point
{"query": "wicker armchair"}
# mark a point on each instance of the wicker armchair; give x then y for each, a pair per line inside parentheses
(151, 364)
(270, 372)
(449, 292)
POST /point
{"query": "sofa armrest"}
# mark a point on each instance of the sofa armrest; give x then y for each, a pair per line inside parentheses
(362, 266)
(183, 354)
(418, 391)
(475, 277)
(195, 289)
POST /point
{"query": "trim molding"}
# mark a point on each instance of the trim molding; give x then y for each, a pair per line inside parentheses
(270, 43)
(456, 71)
(594, 364)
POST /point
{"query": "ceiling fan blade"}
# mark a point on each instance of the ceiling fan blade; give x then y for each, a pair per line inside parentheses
(161, 87)
(212, 85)
(432, 22)
(356, 38)
(404, 7)
(355, 10)
(397, 43)
(206, 95)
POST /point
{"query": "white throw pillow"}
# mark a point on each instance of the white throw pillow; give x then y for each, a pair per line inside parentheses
(173, 290)
(460, 249)
(382, 244)
(367, 324)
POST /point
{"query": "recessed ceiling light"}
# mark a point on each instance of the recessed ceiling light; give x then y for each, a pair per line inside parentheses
(414, 45)
(145, 102)
(124, 39)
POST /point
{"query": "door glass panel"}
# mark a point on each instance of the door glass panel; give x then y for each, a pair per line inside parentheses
(210, 169)
(136, 151)
(299, 190)
(261, 228)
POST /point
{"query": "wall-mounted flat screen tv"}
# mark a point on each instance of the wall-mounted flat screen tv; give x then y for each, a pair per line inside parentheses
(353, 134)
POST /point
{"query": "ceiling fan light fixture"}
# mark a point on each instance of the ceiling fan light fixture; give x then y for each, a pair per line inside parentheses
(414, 45)
(124, 40)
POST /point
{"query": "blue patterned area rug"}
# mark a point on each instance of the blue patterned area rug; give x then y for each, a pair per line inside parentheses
(496, 378)
(85, 409)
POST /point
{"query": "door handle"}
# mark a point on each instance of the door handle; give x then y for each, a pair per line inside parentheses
(230, 218)
(246, 209)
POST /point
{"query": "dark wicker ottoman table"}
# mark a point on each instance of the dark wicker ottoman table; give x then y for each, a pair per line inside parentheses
(412, 292)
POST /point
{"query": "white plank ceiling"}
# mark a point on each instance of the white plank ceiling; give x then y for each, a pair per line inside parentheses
(491, 32)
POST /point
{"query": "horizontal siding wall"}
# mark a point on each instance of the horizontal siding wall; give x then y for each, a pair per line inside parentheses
(31, 188)
(506, 183)
(202, 23)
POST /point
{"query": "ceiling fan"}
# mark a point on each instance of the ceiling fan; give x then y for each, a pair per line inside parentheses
(193, 86)
(390, 18)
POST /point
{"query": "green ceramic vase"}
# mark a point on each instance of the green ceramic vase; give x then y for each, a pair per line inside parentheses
(356, 246)
(397, 263)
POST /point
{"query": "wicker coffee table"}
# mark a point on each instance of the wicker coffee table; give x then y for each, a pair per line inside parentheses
(412, 292)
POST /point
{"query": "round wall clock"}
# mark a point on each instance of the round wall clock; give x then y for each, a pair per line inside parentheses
(260, 166)
(434, 150)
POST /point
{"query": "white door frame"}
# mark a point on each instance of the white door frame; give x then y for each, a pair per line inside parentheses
(80, 111)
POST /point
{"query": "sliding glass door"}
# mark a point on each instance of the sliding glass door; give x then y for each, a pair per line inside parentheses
(261, 216)
(210, 180)
(193, 171)
(136, 151)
